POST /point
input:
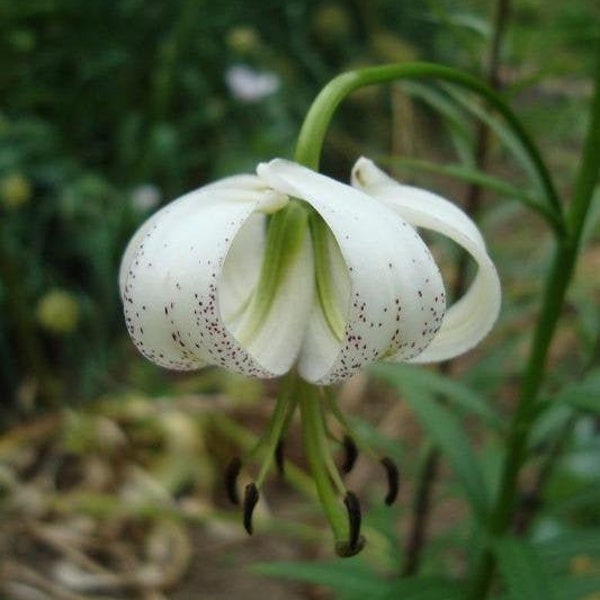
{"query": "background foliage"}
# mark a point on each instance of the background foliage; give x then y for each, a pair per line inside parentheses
(109, 109)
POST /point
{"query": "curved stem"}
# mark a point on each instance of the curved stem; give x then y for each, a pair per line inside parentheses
(316, 123)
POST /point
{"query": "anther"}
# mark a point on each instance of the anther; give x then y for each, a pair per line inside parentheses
(354, 519)
(251, 497)
(356, 542)
(350, 454)
(231, 474)
(280, 458)
(393, 478)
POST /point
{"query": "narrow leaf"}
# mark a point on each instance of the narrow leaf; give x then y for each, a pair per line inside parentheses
(454, 118)
(547, 206)
(583, 395)
(446, 431)
(426, 588)
(474, 176)
(577, 588)
(588, 497)
(558, 551)
(457, 394)
(353, 581)
(522, 570)
(502, 131)
(345, 577)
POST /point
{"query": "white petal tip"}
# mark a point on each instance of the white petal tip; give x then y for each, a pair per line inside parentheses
(366, 174)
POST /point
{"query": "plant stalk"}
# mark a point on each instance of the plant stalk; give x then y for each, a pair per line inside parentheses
(557, 283)
(317, 121)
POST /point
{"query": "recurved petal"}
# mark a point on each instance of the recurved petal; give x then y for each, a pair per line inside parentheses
(470, 318)
(390, 293)
(171, 272)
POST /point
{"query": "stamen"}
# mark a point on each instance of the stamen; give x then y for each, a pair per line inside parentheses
(354, 518)
(280, 458)
(356, 542)
(314, 437)
(251, 497)
(351, 437)
(350, 454)
(231, 474)
(393, 478)
(270, 445)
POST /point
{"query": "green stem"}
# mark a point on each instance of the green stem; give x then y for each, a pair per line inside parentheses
(285, 237)
(314, 438)
(247, 440)
(316, 123)
(587, 175)
(284, 409)
(564, 260)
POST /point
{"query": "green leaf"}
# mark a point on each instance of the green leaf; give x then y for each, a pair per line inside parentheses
(446, 431)
(576, 588)
(547, 203)
(522, 570)
(457, 394)
(454, 118)
(351, 580)
(345, 577)
(587, 498)
(474, 176)
(503, 132)
(583, 395)
(558, 551)
(425, 588)
(552, 420)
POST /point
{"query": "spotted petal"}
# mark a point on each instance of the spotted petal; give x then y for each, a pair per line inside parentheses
(472, 316)
(386, 284)
(188, 276)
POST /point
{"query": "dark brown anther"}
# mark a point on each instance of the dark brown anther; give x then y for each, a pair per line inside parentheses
(280, 458)
(251, 497)
(231, 474)
(393, 478)
(350, 454)
(354, 519)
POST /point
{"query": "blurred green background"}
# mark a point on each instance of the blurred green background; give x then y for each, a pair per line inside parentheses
(110, 109)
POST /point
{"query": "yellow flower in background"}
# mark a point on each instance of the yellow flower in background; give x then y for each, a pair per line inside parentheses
(58, 312)
(15, 191)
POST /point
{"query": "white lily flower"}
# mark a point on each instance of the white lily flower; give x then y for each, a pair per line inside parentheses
(290, 269)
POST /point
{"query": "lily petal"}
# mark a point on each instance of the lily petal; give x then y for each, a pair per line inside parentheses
(172, 277)
(276, 339)
(470, 318)
(393, 299)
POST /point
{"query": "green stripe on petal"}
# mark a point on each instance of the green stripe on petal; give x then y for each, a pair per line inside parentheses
(273, 325)
(470, 319)
(394, 299)
(331, 277)
(171, 277)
